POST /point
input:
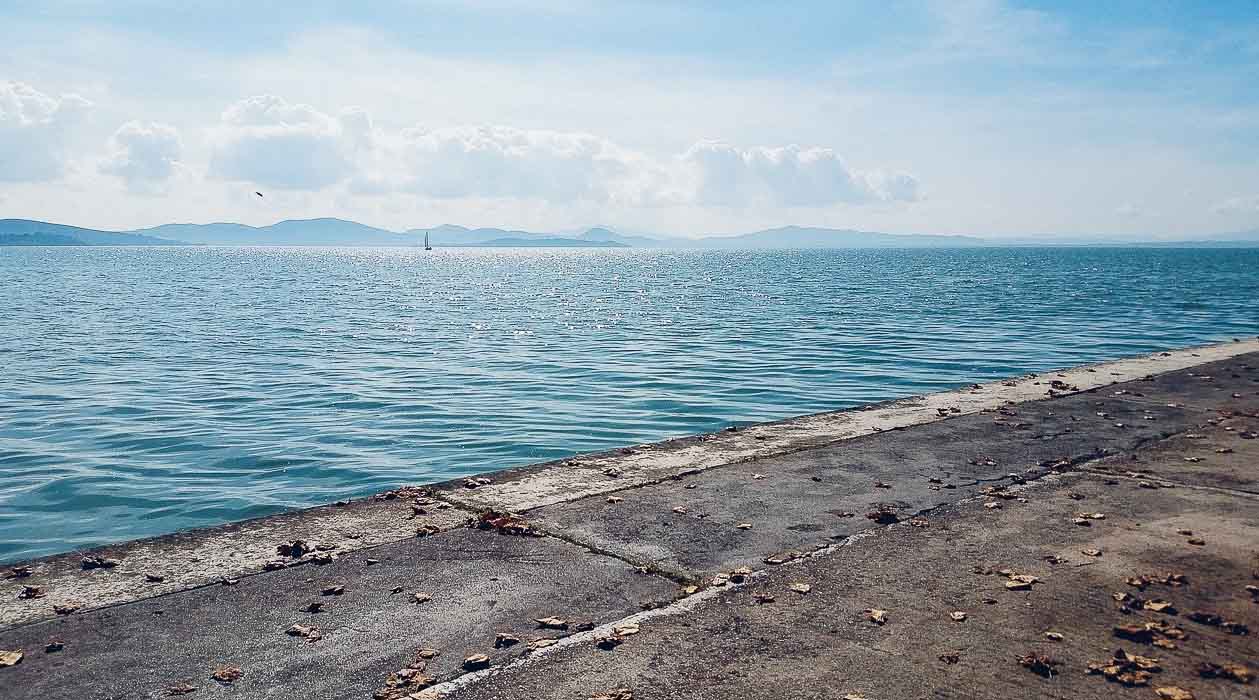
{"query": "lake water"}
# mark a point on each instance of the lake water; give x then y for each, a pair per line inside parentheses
(144, 390)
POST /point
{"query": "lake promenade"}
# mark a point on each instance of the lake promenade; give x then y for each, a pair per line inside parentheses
(1086, 533)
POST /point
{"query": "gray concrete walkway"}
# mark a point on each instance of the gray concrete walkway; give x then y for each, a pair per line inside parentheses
(747, 564)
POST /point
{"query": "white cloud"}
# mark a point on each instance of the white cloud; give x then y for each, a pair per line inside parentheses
(787, 176)
(1238, 205)
(268, 141)
(144, 154)
(33, 132)
(507, 162)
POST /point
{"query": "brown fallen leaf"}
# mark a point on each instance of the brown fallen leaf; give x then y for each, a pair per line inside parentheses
(154, 578)
(801, 588)
(1091, 552)
(958, 616)
(97, 562)
(1171, 692)
(503, 640)
(420, 598)
(308, 632)
(294, 549)
(181, 688)
(1160, 606)
(1164, 643)
(876, 615)
(332, 590)
(66, 609)
(227, 674)
(1039, 664)
(541, 643)
(552, 623)
(1126, 669)
(20, 572)
(476, 662)
(1233, 672)
(609, 642)
(1196, 541)
(740, 574)
(10, 658)
(763, 598)
(30, 593)
(615, 694)
(314, 607)
(680, 510)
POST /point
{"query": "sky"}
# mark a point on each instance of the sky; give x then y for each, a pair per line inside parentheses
(1000, 119)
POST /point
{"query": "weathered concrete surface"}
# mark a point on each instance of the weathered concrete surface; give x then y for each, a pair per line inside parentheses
(806, 499)
(823, 645)
(1113, 446)
(480, 583)
(187, 560)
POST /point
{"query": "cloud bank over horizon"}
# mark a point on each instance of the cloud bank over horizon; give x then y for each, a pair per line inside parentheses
(980, 117)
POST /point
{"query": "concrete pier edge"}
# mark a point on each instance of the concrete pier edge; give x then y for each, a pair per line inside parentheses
(565, 501)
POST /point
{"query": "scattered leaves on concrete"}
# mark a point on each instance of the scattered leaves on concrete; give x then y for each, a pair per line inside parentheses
(1126, 669)
(227, 674)
(404, 683)
(10, 658)
(476, 662)
(308, 632)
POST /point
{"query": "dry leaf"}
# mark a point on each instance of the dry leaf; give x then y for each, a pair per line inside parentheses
(626, 629)
(476, 662)
(552, 623)
(744, 526)
(1091, 552)
(30, 593)
(53, 646)
(419, 598)
(608, 643)
(876, 615)
(721, 579)
(1234, 672)
(680, 510)
(313, 607)
(1160, 606)
(950, 658)
(427, 653)
(1173, 693)
(503, 640)
(958, 616)
(615, 694)
(1053, 636)
(615, 499)
(541, 643)
(10, 658)
(227, 674)
(333, 590)
(308, 632)
(1039, 664)
(182, 688)
(801, 588)
(764, 598)
(1196, 541)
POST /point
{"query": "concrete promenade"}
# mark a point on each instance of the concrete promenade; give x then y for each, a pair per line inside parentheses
(1089, 533)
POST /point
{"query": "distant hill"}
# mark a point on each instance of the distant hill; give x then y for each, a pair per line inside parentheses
(800, 237)
(85, 236)
(290, 232)
(549, 242)
(38, 239)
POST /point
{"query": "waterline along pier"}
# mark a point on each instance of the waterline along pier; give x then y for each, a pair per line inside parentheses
(1086, 533)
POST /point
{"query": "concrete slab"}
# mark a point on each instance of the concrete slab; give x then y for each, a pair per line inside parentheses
(823, 645)
(807, 499)
(481, 584)
(184, 560)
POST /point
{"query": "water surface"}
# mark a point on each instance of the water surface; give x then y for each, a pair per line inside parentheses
(144, 390)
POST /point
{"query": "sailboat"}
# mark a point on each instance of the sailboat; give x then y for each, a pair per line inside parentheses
(426, 245)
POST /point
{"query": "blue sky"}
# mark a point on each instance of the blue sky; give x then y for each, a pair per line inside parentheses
(991, 118)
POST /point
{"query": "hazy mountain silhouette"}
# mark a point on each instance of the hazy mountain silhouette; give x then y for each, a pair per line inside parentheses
(84, 236)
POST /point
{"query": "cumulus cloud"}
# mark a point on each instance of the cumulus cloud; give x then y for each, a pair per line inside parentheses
(505, 162)
(787, 176)
(1238, 205)
(269, 141)
(144, 154)
(33, 132)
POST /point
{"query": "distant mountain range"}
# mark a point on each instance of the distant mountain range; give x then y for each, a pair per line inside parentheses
(338, 232)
